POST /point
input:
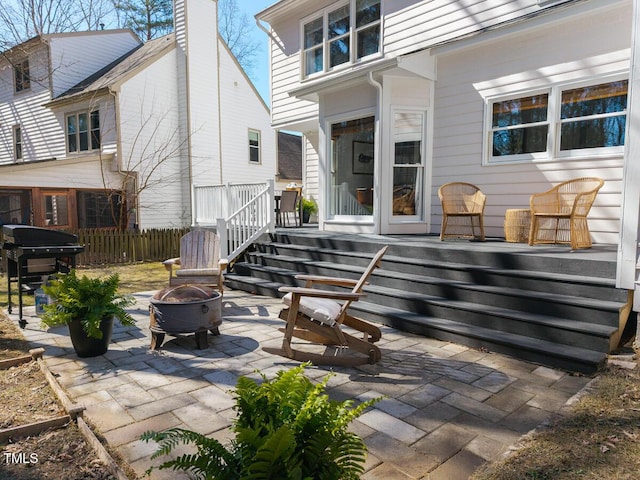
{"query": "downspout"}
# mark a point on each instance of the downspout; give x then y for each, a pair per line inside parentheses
(219, 107)
(377, 155)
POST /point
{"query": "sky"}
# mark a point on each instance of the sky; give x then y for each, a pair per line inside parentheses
(260, 74)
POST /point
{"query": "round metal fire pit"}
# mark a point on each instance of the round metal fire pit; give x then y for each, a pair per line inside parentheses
(185, 309)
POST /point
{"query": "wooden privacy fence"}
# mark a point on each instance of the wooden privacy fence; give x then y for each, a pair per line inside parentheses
(117, 247)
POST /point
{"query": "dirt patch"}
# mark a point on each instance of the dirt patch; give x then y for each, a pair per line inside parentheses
(37, 402)
(26, 397)
(60, 454)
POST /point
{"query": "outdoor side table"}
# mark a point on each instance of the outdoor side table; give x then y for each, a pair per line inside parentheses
(517, 222)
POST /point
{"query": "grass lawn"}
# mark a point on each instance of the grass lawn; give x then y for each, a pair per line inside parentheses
(139, 277)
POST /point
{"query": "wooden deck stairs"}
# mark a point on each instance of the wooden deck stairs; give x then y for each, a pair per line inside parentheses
(547, 305)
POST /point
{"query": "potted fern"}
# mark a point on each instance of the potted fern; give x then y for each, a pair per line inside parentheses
(309, 207)
(88, 307)
(286, 428)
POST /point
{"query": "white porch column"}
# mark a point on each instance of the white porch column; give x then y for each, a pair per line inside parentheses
(630, 214)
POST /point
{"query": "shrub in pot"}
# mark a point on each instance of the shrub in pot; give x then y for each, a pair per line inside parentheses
(286, 428)
(88, 306)
(309, 207)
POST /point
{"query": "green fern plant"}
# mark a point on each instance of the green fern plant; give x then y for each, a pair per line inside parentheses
(286, 429)
(86, 299)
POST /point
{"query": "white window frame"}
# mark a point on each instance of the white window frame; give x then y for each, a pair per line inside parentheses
(91, 146)
(258, 148)
(553, 152)
(352, 34)
(18, 143)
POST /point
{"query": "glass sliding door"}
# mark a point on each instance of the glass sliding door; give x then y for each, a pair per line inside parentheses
(408, 165)
(352, 167)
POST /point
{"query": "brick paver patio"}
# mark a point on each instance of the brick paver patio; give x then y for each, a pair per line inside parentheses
(447, 409)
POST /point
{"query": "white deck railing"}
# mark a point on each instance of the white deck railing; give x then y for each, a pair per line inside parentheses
(240, 213)
(345, 203)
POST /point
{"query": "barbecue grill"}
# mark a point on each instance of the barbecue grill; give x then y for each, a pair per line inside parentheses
(33, 253)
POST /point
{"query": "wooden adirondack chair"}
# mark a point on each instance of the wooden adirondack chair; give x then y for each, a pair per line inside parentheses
(199, 261)
(315, 315)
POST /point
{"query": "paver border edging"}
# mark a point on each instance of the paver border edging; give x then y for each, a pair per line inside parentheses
(75, 412)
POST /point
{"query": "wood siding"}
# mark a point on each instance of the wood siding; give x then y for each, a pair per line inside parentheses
(150, 145)
(409, 25)
(515, 64)
(242, 110)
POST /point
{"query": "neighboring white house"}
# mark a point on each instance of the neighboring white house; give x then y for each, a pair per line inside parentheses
(93, 120)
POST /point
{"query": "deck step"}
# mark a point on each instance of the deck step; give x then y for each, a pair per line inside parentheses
(539, 351)
(546, 305)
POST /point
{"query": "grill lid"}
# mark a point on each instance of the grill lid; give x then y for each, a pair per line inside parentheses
(28, 236)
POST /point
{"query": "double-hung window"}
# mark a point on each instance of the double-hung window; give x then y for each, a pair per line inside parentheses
(254, 146)
(17, 143)
(22, 79)
(559, 122)
(341, 35)
(83, 131)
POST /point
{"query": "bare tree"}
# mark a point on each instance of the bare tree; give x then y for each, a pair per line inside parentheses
(24, 19)
(21, 20)
(235, 29)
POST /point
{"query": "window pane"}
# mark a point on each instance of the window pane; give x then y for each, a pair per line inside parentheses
(21, 72)
(367, 11)
(313, 61)
(405, 187)
(72, 142)
(95, 130)
(368, 41)
(599, 132)
(339, 51)
(84, 141)
(313, 33)
(519, 111)
(99, 209)
(594, 100)
(520, 140)
(17, 142)
(82, 122)
(55, 210)
(339, 22)
(352, 166)
(82, 132)
(254, 146)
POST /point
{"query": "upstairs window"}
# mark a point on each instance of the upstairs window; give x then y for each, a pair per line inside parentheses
(17, 142)
(341, 35)
(561, 122)
(21, 76)
(254, 146)
(83, 131)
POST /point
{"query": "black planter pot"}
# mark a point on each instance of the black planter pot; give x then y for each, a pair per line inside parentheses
(88, 346)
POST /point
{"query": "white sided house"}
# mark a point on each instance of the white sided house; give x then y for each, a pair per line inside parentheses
(403, 96)
(100, 130)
